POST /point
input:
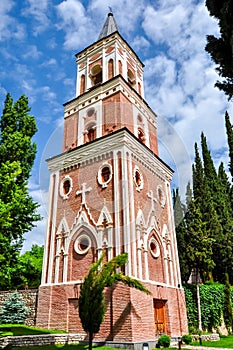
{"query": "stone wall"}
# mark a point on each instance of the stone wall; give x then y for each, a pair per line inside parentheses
(40, 340)
(206, 337)
(29, 296)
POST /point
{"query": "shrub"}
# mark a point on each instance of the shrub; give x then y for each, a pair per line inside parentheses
(14, 310)
(187, 339)
(164, 340)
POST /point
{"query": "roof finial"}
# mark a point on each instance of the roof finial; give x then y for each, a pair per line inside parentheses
(110, 9)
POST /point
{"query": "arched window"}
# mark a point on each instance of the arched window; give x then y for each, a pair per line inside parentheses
(120, 67)
(110, 69)
(96, 75)
(82, 84)
(90, 134)
(131, 78)
(139, 89)
(141, 135)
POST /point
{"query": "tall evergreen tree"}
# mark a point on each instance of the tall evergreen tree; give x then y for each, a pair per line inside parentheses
(17, 208)
(229, 130)
(181, 235)
(221, 48)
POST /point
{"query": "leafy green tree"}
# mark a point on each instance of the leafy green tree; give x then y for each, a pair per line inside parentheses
(227, 306)
(221, 48)
(91, 300)
(17, 208)
(14, 310)
(27, 270)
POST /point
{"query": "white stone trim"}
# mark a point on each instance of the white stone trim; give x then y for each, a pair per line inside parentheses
(116, 201)
(53, 209)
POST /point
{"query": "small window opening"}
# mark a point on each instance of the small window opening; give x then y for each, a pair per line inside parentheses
(83, 244)
(105, 174)
(82, 84)
(138, 178)
(91, 134)
(66, 186)
(141, 135)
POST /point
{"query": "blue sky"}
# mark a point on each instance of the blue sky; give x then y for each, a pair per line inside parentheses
(38, 41)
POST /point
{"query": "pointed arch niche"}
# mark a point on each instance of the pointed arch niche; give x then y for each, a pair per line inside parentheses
(61, 252)
(105, 233)
(156, 256)
(82, 246)
(110, 68)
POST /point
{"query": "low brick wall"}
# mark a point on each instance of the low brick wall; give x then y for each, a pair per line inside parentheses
(29, 296)
(41, 340)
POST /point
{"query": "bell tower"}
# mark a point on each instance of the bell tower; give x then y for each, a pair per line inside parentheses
(110, 192)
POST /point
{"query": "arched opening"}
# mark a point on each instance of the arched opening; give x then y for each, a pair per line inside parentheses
(139, 89)
(90, 134)
(131, 78)
(141, 135)
(96, 75)
(110, 69)
(82, 84)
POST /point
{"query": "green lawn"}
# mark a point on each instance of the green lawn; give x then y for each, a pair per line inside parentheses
(224, 342)
(13, 329)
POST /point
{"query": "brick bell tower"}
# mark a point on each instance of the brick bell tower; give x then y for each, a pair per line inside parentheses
(110, 192)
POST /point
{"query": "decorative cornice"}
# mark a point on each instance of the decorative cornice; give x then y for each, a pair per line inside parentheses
(106, 89)
(103, 147)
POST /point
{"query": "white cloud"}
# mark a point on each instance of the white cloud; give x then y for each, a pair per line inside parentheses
(75, 23)
(32, 53)
(38, 11)
(9, 26)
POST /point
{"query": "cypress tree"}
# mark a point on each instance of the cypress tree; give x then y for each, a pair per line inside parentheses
(221, 48)
(179, 212)
(230, 141)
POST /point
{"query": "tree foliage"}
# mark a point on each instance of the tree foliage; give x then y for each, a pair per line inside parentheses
(227, 306)
(91, 299)
(17, 208)
(204, 235)
(14, 310)
(26, 273)
(221, 48)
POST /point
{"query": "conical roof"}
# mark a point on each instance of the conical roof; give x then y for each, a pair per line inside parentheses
(109, 27)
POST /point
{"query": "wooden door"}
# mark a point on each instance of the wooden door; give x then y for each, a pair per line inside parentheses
(159, 316)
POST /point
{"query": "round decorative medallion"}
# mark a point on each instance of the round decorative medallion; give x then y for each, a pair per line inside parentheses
(104, 174)
(161, 195)
(82, 244)
(154, 247)
(138, 179)
(66, 187)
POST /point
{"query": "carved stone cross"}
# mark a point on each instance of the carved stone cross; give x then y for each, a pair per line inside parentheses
(153, 199)
(83, 192)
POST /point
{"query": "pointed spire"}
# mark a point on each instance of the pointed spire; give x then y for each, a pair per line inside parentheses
(109, 27)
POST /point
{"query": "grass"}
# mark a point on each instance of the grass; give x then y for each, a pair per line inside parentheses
(14, 329)
(62, 347)
(224, 342)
